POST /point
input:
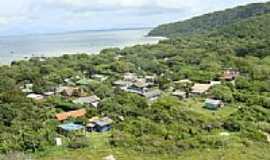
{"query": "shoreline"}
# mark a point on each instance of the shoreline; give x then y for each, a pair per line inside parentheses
(94, 51)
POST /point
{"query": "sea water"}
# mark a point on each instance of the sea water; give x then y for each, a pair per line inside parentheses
(54, 45)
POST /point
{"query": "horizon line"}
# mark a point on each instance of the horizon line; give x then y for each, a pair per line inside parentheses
(78, 31)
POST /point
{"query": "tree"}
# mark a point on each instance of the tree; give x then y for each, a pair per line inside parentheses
(222, 92)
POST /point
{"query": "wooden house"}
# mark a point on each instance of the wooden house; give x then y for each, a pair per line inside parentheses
(200, 89)
(138, 87)
(131, 77)
(122, 84)
(180, 94)
(229, 74)
(99, 124)
(90, 101)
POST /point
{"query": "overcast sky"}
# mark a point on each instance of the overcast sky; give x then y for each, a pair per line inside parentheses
(49, 16)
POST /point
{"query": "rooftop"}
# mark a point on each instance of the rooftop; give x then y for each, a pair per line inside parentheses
(84, 100)
(200, 88)
(71, 127)
(101, 121)
(72, 114)
(179, 93)
(122, 83)
(35, 96)
(213, 101)
(184, 81)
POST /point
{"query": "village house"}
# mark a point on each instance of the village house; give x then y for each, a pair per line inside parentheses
(183, 81)
(71, 114)
(70, 127)
(27, 88)
(90, 101)
(139, 87)
(200, 89)
(230, 74)
(99, 124)
(131, 77)
(180, 94)
(36, 97)
(213, 104)
(48, 94)
(71, 91)
(150, 79)
(99, 77)
(122, 84)
(152, 95)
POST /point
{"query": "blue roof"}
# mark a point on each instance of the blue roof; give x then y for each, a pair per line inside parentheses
(71, 127)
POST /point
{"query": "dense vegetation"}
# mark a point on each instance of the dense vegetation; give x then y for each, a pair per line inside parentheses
(211, 21)
(169, 126)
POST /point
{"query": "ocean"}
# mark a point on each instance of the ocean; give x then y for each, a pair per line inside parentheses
(54, 45)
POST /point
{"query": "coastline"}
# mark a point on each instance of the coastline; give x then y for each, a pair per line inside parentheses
(112, 39)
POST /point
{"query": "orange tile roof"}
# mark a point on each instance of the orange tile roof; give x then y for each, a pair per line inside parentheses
(72, 114)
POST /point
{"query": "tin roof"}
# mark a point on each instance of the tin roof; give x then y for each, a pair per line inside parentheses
(71, 127)
(72, 114)
(213, 102)
(85, 100)
(200, 88)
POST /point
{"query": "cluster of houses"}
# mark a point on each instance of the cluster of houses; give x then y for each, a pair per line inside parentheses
(130, 82)
(199, 89)
(94, 124)
(142, 86)
(72, 91)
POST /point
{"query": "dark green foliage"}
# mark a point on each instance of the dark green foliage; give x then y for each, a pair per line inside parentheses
(222, 92)
(212, 21)
(78, 142)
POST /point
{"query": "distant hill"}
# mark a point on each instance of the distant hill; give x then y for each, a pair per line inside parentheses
(211, 21)
(255, 27)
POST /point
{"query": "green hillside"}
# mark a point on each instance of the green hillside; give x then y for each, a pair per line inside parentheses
(209, 22)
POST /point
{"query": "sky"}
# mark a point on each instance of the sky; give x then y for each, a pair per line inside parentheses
(19, 17)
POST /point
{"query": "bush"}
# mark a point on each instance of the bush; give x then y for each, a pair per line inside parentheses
(79, 142)
(222, 92)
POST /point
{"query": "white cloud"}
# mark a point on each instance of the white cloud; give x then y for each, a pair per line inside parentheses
(3, 20)
(55, 15)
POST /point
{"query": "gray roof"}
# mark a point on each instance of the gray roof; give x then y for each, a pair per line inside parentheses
(71, 127)
(86, 100)
(179, 93)
(153, 93)
(213, 102)
(122, 83)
